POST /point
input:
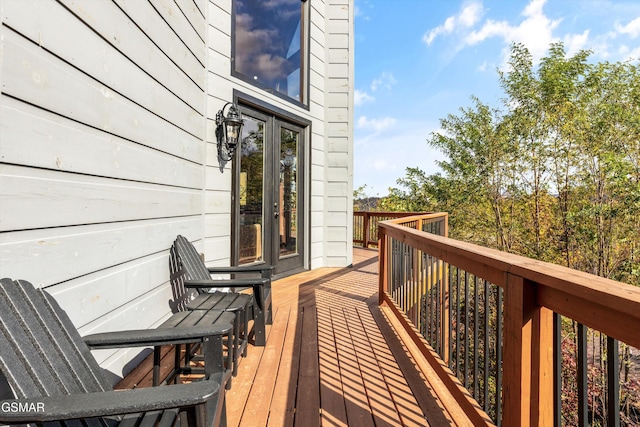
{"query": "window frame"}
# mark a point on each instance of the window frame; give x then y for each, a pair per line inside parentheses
(305, 67)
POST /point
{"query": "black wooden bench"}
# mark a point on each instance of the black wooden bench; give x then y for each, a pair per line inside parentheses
(51, 370)
(188, 272)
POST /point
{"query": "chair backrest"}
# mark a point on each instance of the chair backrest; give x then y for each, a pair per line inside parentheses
(185, 264)
(190, 259)
(41, 351)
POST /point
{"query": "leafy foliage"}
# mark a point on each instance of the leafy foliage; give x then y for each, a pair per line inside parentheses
(553, 173)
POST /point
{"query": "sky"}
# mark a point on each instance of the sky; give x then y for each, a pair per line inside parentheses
(417, 61)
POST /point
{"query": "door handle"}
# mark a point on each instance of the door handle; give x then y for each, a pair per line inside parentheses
(276, 211)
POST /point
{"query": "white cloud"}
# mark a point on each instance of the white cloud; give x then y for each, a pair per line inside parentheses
(535, 31)
(489, 29)
(467, 18)
(634, 55)
(632, 29)
(470, 15)
(377, 125)
(627, 53)
(534, 8)
(386, 80)
(381, 165)
(361, 97)
(575, 42)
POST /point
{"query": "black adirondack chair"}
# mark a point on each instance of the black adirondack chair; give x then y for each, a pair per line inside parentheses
(188, 272)
(55, 378)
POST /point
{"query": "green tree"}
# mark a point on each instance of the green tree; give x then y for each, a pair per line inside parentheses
(417, 197)
(552, 173)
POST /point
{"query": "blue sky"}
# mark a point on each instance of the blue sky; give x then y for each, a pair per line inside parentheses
(416, 61)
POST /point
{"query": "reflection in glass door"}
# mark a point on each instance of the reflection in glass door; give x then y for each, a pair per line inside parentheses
(250, 194)
(288, 205)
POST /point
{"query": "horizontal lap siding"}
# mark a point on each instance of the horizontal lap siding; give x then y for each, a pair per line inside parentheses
(339, 130)
(317, 64)
(102, 121)
(217, 207)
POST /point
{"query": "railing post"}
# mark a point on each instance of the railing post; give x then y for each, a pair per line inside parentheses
(446, 225)
(365, 225)
(527, 357)
(383, 266)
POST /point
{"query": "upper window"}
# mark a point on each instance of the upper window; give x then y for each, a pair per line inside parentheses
(268, 45)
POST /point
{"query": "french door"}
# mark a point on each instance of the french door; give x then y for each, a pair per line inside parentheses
(269, 193)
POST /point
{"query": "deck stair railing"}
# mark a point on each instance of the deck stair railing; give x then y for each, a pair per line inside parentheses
(492, 325)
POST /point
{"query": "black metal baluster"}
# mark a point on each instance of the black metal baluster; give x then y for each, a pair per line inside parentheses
(487, 340)
(423, 292)
(413, 282)
(401, 268)
(418, 274)
(458, 323)
(427, 302)
(428, 290)
(425, 295)
(393, 271)
(398, 272)
(557, 370)
(476, 333)
(613, 384)
(499, 358)
(466, 330)
(582, 376)
(405, 274)
(438, 306)
(429, 294)
(450, 326)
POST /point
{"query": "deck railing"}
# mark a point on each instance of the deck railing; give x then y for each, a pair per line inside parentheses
(365, 225)
(491, 324)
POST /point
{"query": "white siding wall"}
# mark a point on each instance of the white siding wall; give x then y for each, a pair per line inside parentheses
(101, 151)
(107, 148)
(339, 133)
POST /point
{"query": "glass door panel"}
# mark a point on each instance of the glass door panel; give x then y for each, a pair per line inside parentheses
(250, 195)
(269, 182)
(288, 192)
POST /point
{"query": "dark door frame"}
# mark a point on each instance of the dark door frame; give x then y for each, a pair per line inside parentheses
(277, 117)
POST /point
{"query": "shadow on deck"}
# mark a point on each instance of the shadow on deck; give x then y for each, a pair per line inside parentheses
(332, 359)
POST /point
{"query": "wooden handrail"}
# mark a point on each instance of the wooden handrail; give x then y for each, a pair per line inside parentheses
(365, 225)
(568, 292)
(534, 290)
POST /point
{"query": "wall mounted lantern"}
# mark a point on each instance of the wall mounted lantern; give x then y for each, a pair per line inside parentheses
(228, 132)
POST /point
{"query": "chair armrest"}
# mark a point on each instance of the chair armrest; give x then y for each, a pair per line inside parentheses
(261, 286)
(226, 283)
(155, 337)
(242, 269)
(108, 403)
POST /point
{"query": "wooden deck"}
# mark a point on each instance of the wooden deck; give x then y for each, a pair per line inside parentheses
(332, 359)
